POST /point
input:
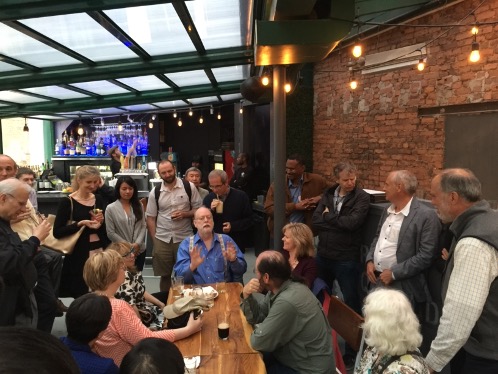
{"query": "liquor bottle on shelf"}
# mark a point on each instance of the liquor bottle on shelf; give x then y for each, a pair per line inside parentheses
(57, 148)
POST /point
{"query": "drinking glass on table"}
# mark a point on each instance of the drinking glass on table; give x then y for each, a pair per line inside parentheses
(177, 286)
(223, 319)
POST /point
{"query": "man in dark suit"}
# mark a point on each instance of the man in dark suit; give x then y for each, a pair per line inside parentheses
(406, 242)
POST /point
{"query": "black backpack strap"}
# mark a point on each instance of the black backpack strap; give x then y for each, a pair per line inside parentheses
(188, 190)
(157, 192)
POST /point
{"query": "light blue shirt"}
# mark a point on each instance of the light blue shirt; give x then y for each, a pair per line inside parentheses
(213, 269)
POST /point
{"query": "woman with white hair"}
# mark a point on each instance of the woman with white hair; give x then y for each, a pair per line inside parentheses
(392, 335)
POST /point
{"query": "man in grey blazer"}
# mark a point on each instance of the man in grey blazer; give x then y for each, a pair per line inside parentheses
(406, 242)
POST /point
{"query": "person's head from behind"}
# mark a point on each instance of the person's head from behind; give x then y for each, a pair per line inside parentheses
(87, 317)
(153, 356)
(86, 179)
(272, 270)
(298, 237)
(390, 325)
(104, 269)
(29, 351)
(26, 175)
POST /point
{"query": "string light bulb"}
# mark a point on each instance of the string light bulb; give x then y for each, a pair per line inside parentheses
(287, 87)
(175, 114)
(180, 123)
(474, 30)
(120, 125)
(211, 110)
(201, 120)
(265, 81)
(190, 113)
(25, 128)
(357, 50)
(421, 64)
(475, 55)
(219, 115)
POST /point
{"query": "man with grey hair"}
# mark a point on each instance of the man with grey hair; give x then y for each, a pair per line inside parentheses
(18, 274)
(339, 219)
(470, 280)
(194, 175)
(232, 212)
(406, 242)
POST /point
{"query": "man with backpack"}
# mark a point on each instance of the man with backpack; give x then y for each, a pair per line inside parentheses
(170, 209)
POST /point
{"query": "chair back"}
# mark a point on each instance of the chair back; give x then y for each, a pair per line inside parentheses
(345, 321)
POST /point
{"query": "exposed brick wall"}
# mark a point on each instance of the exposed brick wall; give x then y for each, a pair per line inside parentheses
(377, 126)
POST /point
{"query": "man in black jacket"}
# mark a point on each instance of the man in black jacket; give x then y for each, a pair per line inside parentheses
(339, 218)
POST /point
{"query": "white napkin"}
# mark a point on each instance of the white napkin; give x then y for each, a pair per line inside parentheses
(192, 362)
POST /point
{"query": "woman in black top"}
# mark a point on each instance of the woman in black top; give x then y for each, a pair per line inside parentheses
(86, 211)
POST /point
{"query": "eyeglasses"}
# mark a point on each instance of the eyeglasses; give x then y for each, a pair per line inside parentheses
(127, 255)
(216, 187)
(20, 203)
(204, 218)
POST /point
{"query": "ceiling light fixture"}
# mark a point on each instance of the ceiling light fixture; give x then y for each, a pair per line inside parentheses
(81, 131)
(25, 128)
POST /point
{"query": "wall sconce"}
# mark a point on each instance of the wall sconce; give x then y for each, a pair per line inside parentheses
(25, 128)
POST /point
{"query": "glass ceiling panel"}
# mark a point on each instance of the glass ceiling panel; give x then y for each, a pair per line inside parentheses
(189, 78)
(48, 117)
(204, 100)
(148, 25)
(100, 87)
(82, 34)
(7, 67)
(107, 111)
(231, 73)
(217, 22)
(24, 48)
(171, 104)
(145, 83)
(139, 108)
(56, 92)
(231, 97)
(19, 98)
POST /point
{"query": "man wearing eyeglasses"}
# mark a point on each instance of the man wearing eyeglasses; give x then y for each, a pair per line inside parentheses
(231, 208)
(207, 257)
(18, 274)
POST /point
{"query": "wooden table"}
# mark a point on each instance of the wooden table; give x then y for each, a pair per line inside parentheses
(234, 355)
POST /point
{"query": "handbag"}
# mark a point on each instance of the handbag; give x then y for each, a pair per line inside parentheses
(66, 244)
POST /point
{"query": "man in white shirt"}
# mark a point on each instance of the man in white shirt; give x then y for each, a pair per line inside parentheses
(406, 242)
(169, 220)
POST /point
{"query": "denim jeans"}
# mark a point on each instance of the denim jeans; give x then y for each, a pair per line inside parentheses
(347, 274)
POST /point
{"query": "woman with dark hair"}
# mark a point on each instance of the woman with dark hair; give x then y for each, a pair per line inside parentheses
(153, 356)
(87, 317)
(29, 351)
(125, 219)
